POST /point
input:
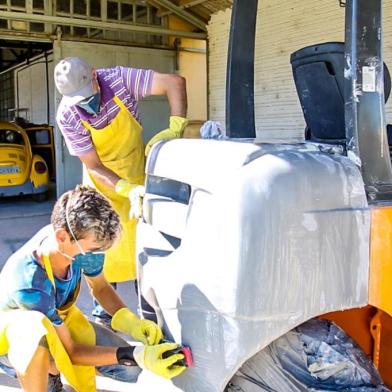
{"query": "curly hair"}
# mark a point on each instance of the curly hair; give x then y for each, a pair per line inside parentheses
(88, 212)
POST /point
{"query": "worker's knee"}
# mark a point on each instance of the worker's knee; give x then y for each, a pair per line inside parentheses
(40, 359)
(24, 331)
(120, 372)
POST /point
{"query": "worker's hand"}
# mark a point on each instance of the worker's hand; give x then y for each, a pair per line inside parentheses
(136, 200)
(150, 357)
(135, 194)
(145, 331)
(175, 130)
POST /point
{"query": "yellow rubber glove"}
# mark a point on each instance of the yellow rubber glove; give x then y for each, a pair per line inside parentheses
(150, 358)
(135, 194)
(124, 187)
(175, 131)
(144, 331)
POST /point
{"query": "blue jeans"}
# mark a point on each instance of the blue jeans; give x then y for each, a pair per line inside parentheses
(99, 311)
(104, 337)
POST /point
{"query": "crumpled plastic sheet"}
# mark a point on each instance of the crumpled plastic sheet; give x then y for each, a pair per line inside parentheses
(212, 130)
(316, 356)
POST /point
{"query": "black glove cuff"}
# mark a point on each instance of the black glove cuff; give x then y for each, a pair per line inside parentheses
(125, 356)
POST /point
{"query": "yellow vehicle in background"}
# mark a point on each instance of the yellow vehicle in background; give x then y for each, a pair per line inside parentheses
(21, 171)
(42, 143)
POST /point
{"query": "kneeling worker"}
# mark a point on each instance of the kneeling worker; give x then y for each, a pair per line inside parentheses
(44, 334)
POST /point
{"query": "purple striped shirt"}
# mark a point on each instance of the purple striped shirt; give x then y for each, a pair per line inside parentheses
(129, 84)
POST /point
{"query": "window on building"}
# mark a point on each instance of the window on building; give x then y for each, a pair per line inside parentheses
(7, 101)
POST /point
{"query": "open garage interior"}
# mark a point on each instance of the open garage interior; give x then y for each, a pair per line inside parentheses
(167, 36)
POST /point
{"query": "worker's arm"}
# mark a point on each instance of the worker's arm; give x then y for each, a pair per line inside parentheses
(105, 176)
(174, 87)
(98, 170)
(81, 354)
(123, 320)
(104, 293)
(147, 357)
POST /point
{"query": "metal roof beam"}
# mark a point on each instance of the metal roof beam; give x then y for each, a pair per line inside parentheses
(185, 5)
(26, 36)
(185, 15)
(58, 20)
(191, 3)
(5, 44)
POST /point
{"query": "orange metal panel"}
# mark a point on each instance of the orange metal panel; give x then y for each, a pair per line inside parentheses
(375, 329)
(380, 279)
(372, 330)
(381, 329)
(385, 348)
(380, 288)
(356, 323)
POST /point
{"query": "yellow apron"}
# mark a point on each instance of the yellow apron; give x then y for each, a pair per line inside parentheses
(20, 344)
(120, 147)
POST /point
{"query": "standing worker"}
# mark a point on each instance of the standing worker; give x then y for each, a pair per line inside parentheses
(99, 119)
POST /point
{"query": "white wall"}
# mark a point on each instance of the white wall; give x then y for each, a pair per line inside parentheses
(282, 28)
(32, 91)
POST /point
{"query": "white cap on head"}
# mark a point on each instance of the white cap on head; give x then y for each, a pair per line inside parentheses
(73, 79)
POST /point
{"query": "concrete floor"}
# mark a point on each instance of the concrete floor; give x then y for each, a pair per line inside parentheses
(20, 219)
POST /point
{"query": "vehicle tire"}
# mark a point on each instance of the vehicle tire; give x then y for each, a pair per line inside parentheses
(316, 356)
(40, 197)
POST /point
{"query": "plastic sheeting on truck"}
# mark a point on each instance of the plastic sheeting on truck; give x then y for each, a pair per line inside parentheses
(316, 356)
(243, 242)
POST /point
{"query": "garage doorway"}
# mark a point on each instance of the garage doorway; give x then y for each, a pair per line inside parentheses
(26, 99)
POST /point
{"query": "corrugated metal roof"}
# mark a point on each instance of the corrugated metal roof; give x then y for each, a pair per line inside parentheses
(138, 21)
(203, 9)
(210, 7)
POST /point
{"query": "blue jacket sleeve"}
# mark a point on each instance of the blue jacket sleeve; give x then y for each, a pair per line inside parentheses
(32, 299)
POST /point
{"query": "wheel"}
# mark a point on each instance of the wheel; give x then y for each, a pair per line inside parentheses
(40, 197)
(316, 356)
